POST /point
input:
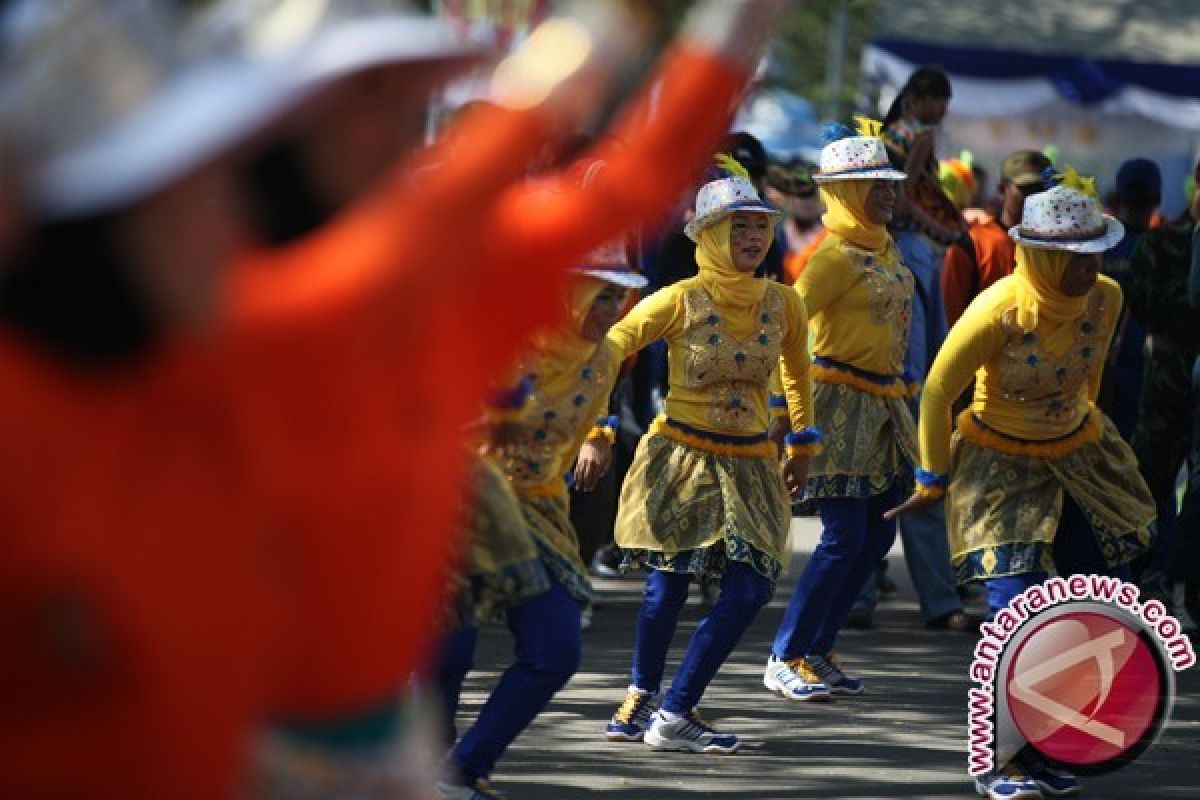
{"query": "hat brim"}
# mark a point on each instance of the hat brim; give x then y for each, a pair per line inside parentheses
(1114, 231)
(197, 116)
(618, 277)
(882, 174)
(355, 45)
(1027, 180)
(697, 224)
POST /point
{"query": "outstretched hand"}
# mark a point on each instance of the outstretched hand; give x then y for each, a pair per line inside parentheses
(795, 475)
(915, 502)
(595, 457)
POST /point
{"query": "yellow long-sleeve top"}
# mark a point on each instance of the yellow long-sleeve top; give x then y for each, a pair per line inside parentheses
(720, 358)
(555, 419)
(1037, 394)
(861, 305)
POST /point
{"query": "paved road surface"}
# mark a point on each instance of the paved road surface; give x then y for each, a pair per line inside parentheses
(903, 738)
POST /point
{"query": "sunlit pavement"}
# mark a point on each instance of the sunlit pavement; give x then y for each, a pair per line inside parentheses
(903, 738)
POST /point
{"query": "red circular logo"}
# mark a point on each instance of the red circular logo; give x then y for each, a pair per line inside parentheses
(1084, 688)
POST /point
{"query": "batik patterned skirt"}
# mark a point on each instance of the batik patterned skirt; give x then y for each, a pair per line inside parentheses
(548, 518)
(1003, 508)
(685, 507)
(502, 564)
(869, 442)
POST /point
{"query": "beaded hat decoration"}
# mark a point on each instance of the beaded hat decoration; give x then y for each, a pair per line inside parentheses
(608, 262)
(851, 156)
(719, 198)
(1067, 217)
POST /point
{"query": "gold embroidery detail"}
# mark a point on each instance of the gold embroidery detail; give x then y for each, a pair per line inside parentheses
(731, 368)
(890, 286)
(1027, 372)
(550, 423)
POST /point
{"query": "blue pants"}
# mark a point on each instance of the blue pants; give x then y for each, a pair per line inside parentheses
(548, 646)
(855, 537)
(743, 593)
(1075, 553)
(927, 554)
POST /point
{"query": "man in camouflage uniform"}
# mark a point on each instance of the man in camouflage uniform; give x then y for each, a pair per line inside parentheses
(1157, 298)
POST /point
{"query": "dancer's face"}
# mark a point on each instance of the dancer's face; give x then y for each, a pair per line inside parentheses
(1080, 274)
(881, 202)
(750, 237)
(604, 313)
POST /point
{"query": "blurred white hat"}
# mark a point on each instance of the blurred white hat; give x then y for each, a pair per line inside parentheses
(100, 109)
(324, 40)
(608, 262)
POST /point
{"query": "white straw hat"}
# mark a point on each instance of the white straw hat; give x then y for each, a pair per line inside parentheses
(1065, 218)
(856, 158)
(722, 197)
(100, 110)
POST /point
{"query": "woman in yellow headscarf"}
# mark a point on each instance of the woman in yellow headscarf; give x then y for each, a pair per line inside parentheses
(524, 557)
(860, 295)
(1037, 479)
(705, 493)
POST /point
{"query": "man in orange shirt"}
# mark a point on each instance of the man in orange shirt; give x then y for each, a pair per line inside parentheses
(963, 277)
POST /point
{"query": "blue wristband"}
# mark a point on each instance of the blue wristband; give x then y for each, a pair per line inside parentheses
(931, 479)
(810, 435)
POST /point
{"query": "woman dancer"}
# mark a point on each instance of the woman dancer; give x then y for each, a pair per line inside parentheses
(860, 295)
(570, 376)
(705, 493)
(1037, 479)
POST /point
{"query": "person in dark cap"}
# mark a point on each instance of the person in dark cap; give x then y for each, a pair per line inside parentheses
(750, 153)
(1139, 191)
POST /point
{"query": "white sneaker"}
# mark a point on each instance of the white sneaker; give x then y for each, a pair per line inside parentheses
(689, 733)
(794, 680)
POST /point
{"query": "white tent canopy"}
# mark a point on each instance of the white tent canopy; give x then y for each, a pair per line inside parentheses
(1102, 80)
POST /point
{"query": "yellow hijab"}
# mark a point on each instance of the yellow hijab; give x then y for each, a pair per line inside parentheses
(728, 285)
(846, 214)
(563, 349)
(1039, 300)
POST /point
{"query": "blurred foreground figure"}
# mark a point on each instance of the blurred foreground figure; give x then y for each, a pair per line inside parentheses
(230, 500)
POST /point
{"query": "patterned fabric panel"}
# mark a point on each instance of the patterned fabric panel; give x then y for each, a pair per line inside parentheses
(731, 368)
(709, 562)
(678, 499)
(870, 442)
(1002, 511)
(551, 422)
(1049, 383)
(549, 519)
